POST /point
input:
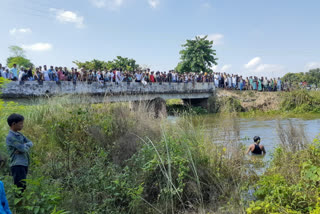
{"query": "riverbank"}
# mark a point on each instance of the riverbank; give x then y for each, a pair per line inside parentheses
(253, 100)
(256, 104)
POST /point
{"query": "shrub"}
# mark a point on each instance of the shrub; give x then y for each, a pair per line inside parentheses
(301, 101)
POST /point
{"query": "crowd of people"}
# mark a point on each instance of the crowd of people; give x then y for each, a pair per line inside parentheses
(220, 80)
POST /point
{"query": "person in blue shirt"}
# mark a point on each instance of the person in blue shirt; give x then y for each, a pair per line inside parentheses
(279, 84)
(51, 72)
(14, 72)
(4, 206)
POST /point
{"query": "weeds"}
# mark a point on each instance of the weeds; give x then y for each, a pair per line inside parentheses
(98, 158)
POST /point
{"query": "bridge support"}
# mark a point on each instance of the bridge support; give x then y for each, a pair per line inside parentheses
(156, 107)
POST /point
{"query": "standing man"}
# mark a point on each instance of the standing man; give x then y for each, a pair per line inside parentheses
(14, 72)
(3, 72)
(21, 74)
(256, 148)
(279, 84)
(45, 73)
(138, 76)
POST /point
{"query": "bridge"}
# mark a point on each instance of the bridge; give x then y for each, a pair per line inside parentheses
(195, 94)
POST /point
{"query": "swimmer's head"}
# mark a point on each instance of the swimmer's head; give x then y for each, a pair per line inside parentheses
(256, 139)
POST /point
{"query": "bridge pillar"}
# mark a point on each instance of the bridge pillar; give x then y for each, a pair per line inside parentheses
(155, 108)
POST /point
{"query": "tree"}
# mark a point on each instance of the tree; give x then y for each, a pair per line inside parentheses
(18, 57)
(120, 62)
(125, 63)
(91, 65)
(17, 51)
(311, 77)
(197, 56)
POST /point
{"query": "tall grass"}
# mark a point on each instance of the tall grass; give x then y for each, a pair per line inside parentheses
(98, 158)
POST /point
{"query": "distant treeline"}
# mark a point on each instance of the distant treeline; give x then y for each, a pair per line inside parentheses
(311, 77)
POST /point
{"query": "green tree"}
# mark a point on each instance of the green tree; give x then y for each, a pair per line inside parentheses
(17, 51)
(18, 57)
(311, 77)
(197, 55)
(123, 63)
(91, 65)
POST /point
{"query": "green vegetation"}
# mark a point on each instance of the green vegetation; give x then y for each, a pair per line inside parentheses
(291, 183)
(106, 158)
(285, 104)
(301, 101)
(198, 56)
(224, 105)
(311, 77)
(120, 62)
(18, 57)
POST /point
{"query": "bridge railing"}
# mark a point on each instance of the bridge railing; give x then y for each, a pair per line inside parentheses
(31, 88)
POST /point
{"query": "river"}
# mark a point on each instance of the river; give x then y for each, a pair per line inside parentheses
(239, 129)
(243, 130)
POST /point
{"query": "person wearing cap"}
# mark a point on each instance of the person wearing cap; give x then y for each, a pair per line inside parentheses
(256, 148)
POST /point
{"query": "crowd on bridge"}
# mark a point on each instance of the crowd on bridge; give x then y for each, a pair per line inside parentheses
(220, 80)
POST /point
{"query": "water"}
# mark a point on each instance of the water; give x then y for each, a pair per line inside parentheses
(237, 129)
(244, 129)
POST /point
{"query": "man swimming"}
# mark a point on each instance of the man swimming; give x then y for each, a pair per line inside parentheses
(256, 148)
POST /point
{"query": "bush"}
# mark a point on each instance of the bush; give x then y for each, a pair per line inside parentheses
(224, 105)
(301, 101)
(291, 184)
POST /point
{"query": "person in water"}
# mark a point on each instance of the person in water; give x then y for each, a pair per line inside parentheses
(256, 148)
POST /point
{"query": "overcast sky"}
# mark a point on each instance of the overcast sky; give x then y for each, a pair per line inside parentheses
(256, 37)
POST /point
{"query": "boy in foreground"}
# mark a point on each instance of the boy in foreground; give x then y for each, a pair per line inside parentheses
(18, 147)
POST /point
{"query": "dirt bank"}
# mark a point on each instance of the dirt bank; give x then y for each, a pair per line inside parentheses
(253, 100)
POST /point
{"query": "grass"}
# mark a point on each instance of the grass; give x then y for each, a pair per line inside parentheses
(97, 158)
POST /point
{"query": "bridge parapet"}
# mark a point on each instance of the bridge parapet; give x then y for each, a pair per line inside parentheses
(116, 92)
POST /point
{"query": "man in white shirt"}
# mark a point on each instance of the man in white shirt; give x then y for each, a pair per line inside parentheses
(174, 77)
(111, 76)
(138, 76)
(234, 81)
(21, 74)
(118, 76)
(45, 73)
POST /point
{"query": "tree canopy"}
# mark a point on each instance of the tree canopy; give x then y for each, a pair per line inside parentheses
(123, 63)
(16, 51)
(18, 57)
(311, 77)
(197, 55)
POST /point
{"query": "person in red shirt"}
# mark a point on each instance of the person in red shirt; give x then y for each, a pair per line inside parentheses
(60, 74)
(152, 79)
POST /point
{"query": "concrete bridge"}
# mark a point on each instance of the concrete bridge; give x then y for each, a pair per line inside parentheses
(192, 93)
